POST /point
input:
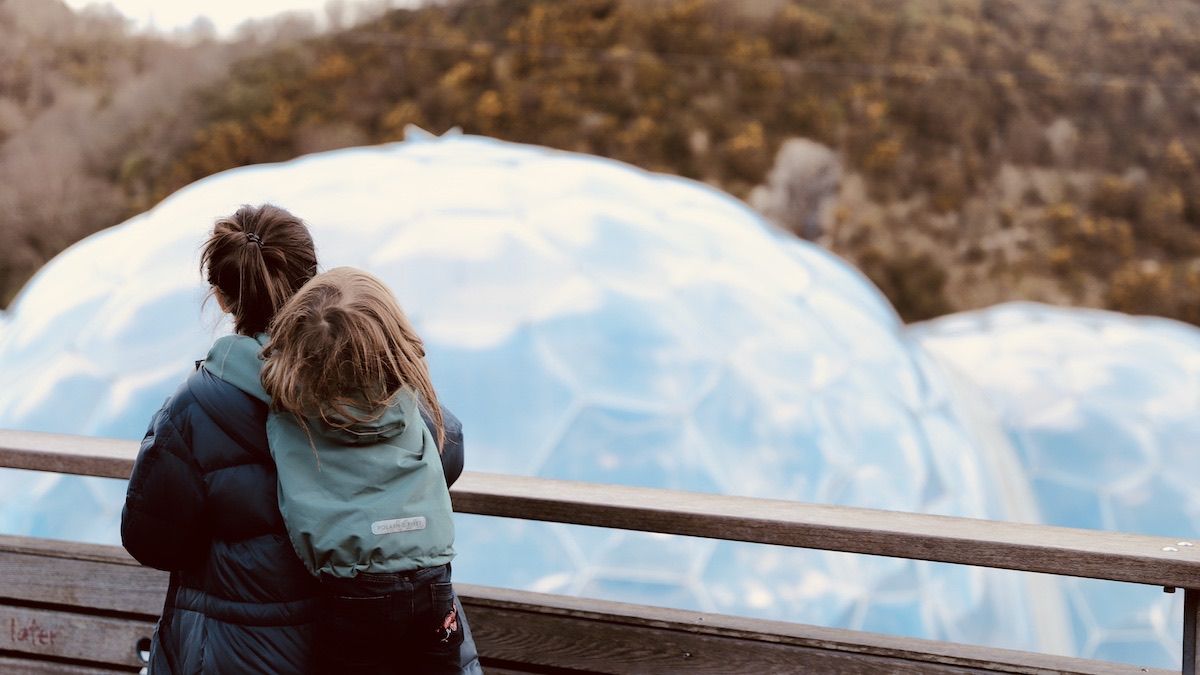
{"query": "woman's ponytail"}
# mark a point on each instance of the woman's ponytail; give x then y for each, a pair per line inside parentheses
(257, 258)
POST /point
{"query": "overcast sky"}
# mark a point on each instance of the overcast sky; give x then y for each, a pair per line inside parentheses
(169, 15)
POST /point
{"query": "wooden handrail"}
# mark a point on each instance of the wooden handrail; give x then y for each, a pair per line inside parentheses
(968, 541)
(64, 453)
(1115, 556)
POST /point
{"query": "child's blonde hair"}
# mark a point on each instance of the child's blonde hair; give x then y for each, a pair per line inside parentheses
(341, 349)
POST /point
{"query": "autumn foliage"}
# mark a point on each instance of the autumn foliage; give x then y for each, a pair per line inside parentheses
(987, 150)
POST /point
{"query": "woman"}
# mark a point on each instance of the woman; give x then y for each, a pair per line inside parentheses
(202, 499)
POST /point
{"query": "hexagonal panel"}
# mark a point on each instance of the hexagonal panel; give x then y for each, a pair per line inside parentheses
(1102, 410)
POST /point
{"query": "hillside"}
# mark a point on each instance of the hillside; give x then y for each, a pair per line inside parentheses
(90, 116)
(983, 150)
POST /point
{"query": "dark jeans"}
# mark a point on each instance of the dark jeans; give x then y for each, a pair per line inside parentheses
(408, 622)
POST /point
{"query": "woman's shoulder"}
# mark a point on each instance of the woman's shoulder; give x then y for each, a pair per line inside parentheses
(205, 404)
(204, 389)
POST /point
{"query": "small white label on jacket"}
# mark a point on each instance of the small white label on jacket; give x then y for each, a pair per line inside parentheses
(398, 525)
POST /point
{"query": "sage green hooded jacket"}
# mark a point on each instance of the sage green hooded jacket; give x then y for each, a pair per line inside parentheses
(369, 498)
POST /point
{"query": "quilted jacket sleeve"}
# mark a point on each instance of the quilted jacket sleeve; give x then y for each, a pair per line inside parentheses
(452, 454)
(162, 523)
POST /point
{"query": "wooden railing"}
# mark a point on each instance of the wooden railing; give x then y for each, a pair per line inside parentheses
(1155, 561)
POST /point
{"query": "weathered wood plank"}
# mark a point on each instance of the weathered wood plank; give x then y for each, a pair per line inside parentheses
(607, 648)
(60, 548)
(17, 666)
(1017, 546)
(43, 632)
(608, 637)
(100, 578)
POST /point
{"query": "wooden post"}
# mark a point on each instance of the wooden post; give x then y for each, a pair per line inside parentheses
(1191, 629)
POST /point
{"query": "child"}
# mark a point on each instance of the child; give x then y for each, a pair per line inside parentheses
(361, 488)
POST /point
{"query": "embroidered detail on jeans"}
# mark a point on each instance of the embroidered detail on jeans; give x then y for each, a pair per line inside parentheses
(450, 624)
(398, 525)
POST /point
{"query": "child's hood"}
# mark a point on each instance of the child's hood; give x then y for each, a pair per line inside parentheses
(237, 360)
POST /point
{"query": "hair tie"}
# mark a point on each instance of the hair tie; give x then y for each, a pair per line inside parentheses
(253, 238)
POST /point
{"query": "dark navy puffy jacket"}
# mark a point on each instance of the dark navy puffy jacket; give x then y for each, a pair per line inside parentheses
(202, 504)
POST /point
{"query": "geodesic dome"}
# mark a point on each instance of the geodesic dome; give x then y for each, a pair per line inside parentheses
(586, 320)
(1102, 408)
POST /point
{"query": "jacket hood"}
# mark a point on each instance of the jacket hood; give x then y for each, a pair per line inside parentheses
(391, 423)
(237, 359)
